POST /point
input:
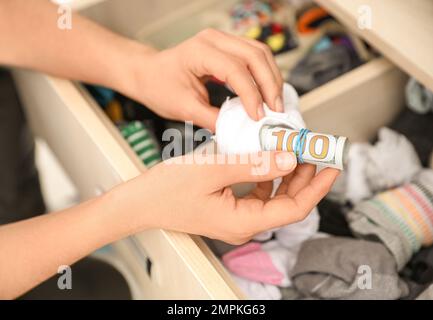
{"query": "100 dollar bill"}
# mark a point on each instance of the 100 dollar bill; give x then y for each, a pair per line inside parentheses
(320, 149)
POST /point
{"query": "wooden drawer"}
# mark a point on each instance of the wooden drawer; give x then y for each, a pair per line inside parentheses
(402, 30)
(170, 264)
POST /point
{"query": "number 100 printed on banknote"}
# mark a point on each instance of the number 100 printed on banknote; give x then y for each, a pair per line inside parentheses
(315, 148)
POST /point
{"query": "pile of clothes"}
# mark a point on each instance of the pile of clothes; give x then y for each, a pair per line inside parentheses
(143, 129)
(287, 27)
(264, 21)
(371, 238)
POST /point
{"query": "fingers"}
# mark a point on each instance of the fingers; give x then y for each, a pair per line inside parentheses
(283, 209)
(205, 115)
(301, 177)
(269, 57)
(262, 191)
(248, 69)
(259, 61)
(260, 167)
(235, 73)
(200, 111)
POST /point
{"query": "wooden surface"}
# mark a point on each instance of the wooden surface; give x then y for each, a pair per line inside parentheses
(358, 103)
(401, 29)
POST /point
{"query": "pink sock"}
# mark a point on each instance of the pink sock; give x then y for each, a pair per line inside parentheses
(267, 263)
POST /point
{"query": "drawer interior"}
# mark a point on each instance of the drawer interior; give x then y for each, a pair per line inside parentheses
(341, 106)
(60, 111)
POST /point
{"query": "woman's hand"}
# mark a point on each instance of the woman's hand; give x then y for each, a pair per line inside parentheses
(170, 82)
(196, 198)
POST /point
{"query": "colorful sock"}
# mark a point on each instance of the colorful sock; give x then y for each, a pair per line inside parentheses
(401, 218)
(268, 263)
(142, 142)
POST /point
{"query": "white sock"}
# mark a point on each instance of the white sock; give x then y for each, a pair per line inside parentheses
(357, 187)
(392, 161)
(292, 235)
(257, 290)
(237, 133)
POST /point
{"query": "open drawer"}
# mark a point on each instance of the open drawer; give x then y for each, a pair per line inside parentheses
(402, 30)
(169, 264)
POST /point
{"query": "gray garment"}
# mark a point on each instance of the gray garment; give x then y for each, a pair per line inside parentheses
(370, 221)
(20, 193)
(317, 68)
(418, 98)
(367, 222)
(290, 293)
(336, 268)
(427, 294)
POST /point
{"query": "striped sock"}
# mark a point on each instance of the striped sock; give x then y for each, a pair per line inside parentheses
(142, 142)
(402, 218)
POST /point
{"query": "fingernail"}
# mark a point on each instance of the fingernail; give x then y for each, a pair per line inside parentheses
(260, 112)
(279, 104)
(285, 161)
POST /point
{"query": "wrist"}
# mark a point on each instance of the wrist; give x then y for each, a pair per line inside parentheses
(135, 57)
(124, 209)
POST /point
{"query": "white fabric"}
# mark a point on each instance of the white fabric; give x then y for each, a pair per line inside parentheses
(357, 183)
(292, 235)
(391, 162)
(237, 133)
(257, 290)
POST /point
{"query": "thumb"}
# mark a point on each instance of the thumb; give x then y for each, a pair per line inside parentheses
(257, 167)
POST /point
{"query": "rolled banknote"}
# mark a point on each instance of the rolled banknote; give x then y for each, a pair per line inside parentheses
(321, 149)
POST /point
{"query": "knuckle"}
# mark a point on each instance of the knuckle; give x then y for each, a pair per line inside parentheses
(256, 98)
(234, 70)
(264, 47)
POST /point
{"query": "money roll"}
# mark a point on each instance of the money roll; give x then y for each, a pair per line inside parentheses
(317, 148)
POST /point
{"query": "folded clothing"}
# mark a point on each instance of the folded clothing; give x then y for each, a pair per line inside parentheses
(337, 268)
(402, 218)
